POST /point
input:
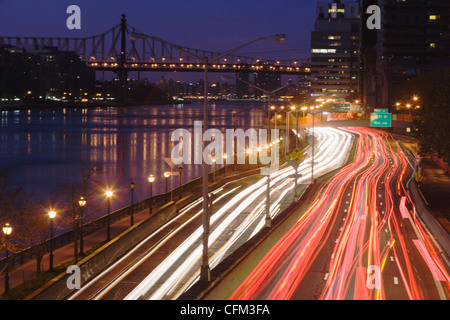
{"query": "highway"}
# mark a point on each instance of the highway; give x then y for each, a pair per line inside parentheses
(167, 262)
(360, 239)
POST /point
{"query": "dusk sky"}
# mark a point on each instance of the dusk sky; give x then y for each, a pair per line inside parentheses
(203, 24)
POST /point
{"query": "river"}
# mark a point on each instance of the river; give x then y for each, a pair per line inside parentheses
(45, 149)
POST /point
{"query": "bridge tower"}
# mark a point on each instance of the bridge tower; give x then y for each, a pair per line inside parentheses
(123, 74)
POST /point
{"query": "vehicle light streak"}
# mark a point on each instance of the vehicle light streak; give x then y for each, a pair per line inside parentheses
(237, 219)
(361, 243)
(332, 147)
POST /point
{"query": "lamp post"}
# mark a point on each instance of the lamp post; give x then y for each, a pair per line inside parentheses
(296, 126)
(7, 229)
(166, 175)
(287, 129)
(151, 178)
(82, 202)
(180, 171)
(132, 185)
(51, 215)
(312, 152)
(269, 107)
(109, 194)
(234, 128)
(224, 164)
(205, 270)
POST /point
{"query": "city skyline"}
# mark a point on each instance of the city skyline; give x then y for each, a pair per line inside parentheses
(195, 24)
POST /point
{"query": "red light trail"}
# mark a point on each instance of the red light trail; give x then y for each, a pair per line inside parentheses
(367, 208)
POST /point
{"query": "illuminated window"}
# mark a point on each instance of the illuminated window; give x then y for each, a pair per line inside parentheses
(336, 10)
(323, 50)
(434, 17)
(433, 45)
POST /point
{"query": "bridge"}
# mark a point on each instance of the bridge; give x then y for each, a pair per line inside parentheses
(108, 52)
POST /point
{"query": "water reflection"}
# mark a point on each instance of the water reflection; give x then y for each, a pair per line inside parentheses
(47, 148)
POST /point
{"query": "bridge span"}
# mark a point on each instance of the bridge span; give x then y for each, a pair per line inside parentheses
(124, 48)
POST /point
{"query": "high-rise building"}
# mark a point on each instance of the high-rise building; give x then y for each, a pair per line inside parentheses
(266, 81)
(335, 50)
(414, 38)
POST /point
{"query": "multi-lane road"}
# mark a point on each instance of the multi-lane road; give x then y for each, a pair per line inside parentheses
(167, 262)
(360, 239)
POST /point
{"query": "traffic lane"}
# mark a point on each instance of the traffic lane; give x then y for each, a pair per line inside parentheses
(412, 274)
(164, 251)
(137, 255)
(313, 284)
(370, 176)
(131, 258)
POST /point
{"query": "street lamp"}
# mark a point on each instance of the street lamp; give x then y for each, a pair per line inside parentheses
(132, 185)
(205, 270)
(180, 171)
(166, 175)
(82, 203)
(7, 229)
(151, 178)
(52, 215)
(213, 160)
(224, 164)
(108, 194)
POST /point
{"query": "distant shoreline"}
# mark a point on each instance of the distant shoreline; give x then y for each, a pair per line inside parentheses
(24, 105)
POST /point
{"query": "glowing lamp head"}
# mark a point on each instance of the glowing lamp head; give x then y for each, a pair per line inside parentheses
(52, 214)
(109, 193)
(82, 202)
(7, 229)
(151, 178)
(166, 174)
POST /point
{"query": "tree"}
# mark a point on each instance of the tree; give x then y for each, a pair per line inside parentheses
(432, 118)
(30, 228)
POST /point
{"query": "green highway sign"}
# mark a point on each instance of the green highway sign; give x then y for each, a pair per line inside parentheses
(380, 120)
(381, 110)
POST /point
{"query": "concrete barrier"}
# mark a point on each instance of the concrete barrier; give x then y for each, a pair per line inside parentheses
(439, 232)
